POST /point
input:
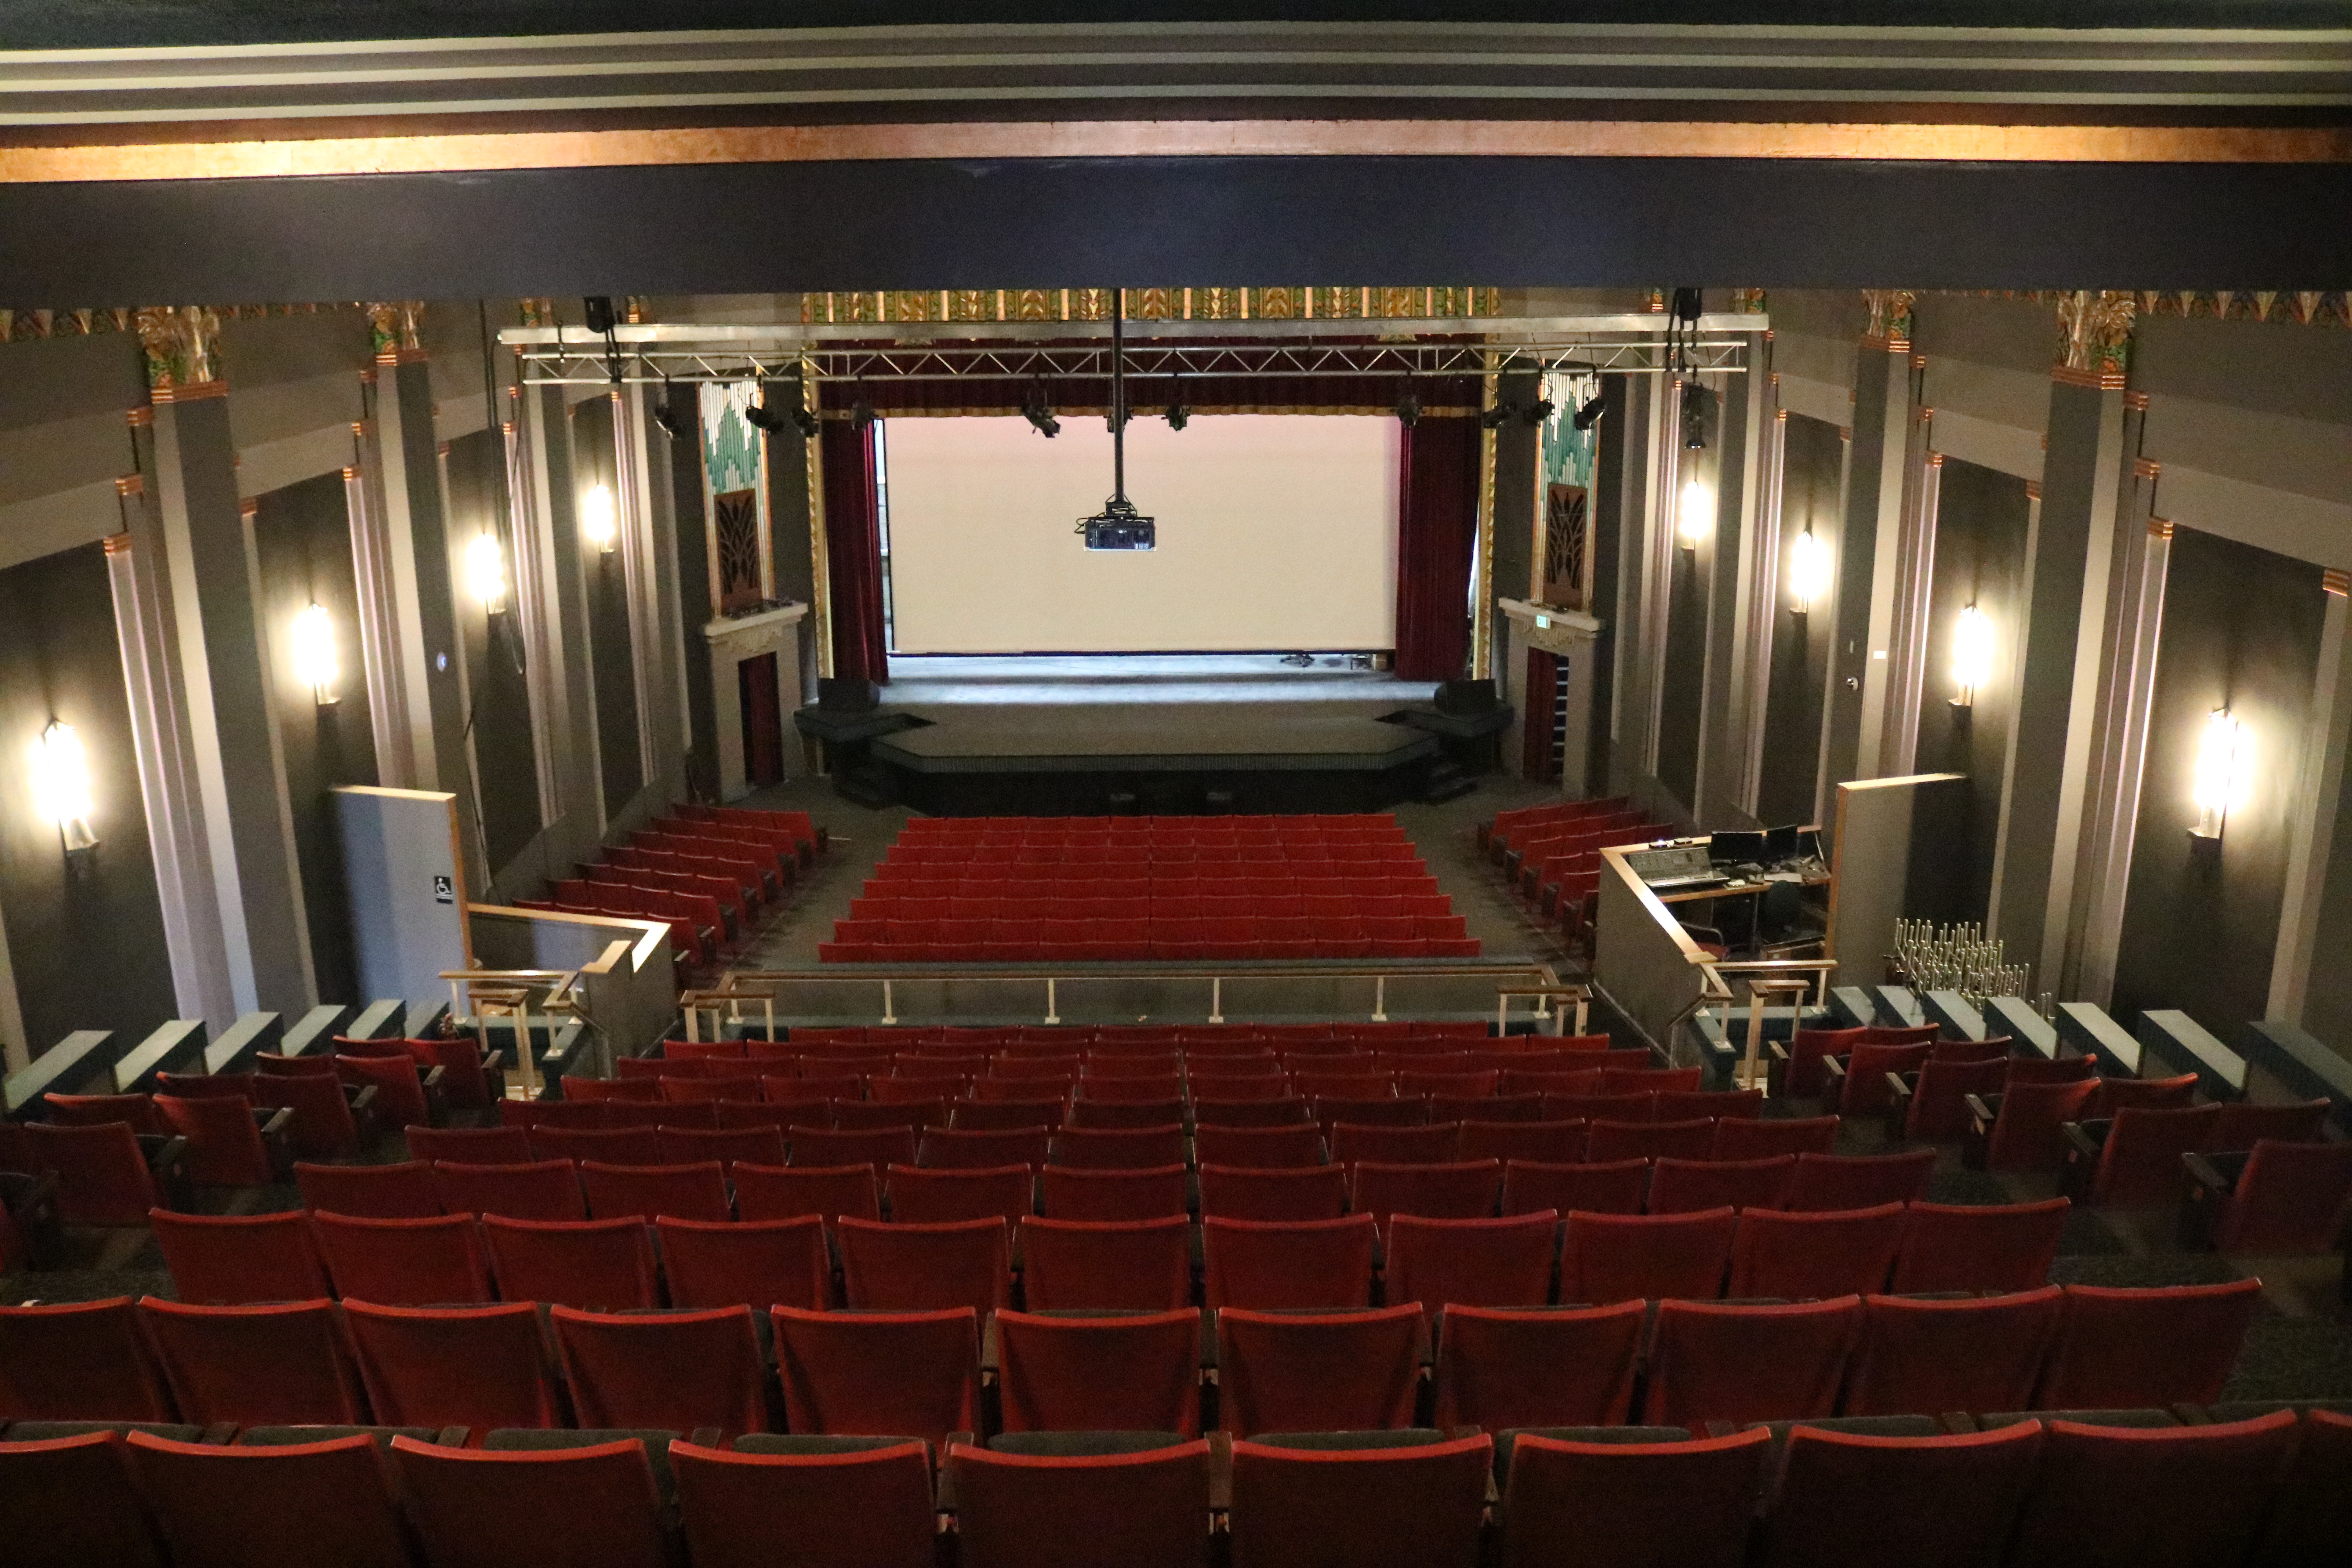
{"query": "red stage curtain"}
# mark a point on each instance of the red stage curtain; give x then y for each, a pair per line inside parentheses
(1436, 536)
(853, 544)
(1542, 705)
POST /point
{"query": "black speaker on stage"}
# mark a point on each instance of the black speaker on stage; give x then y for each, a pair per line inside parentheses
(847, 695)
(1466, 698)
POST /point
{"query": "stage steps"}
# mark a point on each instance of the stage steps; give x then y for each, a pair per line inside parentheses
(1446, 781)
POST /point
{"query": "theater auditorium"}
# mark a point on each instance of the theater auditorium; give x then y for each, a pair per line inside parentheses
(1168, 784)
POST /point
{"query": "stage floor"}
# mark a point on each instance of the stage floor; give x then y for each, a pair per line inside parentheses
(1194, 736)
(920, 682)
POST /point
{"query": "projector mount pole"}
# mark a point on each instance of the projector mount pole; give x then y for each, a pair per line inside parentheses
(1118, 396)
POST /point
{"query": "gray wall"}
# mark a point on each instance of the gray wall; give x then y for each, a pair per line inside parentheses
(500, 723)
(1786, 782)
(620, 763)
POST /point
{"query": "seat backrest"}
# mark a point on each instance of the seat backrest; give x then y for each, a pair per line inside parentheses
(1280, 1372)
(1417, 1145)
(71, 1503)
(399, 1089)
(1137, 1266)
(404, 1262)
(1831, 1253)
(2115, 1094)
(748, 1263)
(1269, 1265)
(287, 1506)
(1293, 1507)
(1684, 1186)
(482, 1367)
(1979, 1247)
(1939, 1108)
(1726, 1360)
(1148, 1510)
(881, 1375)
(922, 1267)
(1628, 1505)
(1924, 1358)
(2173, 1494)
(592, 1505)
(1461, 1189)
(676, 1371)
(1534, 1139)
(2290, 1198)
(1119, 1149)
(1506, 1368)
(1740, 1138)
(2140, 1161)
(1623, 1257)
(102, 1177)
(828, 1192)
(1860, 1181)
(691, 1145)
(612, 1145)
(1129, 1373)
(405, 1191)
(589, 1264)
(2122, 1349)
(257, 1366)
(469, 1145)
(2242, 1123)
(697, 1191)
(1610, 1141)
(543, 1190)
(941, 1198)
(225, 1259)
(1294, 1193)
(1074, 1193)
(225, 1147)
(2314, 1510)
(78, 1360)
(2026, 1133)
(1809, 1050)
(1851, 1500)
(1259, 1148)
(870, 1505)
(1480, 1262)
(1618, 1186)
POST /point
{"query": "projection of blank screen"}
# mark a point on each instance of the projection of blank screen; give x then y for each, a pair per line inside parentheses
(1276, 531)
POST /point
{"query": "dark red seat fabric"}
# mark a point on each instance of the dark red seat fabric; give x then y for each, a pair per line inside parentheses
(1624, 1258)
(925, 1268)
(678, 1371)
(80, 1361)
(400, 1100)
(2026, 1131)
(1466, 1189)
(1326, 1373)
(102, 1175)
(1617, 1187)
(2313, 1516)
(945, 1197)
(1939, 1112)
(1686, 1186)
(1925, 1358)
(2121, 1349)
(463, 1081)
(405, 1191)
(828, 1192)
(1805, 1075)
(323, 1126)
(746, 1263)
(221, 1258)
(469, 1145)
(1979, 1247)
(2115, 1094)
(1608, 1140)
(1143, 1265)
(1148, 1510)
(1075, 1194)
(72, 1502)
(1421, 1144)
(294, 1505)
(1633, 1505)
(692, 1145)
(2244, 1123)
(1847, 1252)
(1502, 1369)
(589, 1264)
(2170, 1497)
(1825, 1181)
(1738, 1138)
(2139, 1163)
(563, 1507)
(872, 1507)
(1259, 1148)
(1546, 1143)
(1850, 1500)
(544, 1190)
(1481, 1262)
(644, 1192)
(1268, 1265)
(1866, 1091)
(257, 1366)
(1365, 1508)
(481, 1367)
(1119, 1149)
(881, 1375)
(1135, 1374)
(2289, 1198)
(225, 1146)
(1728, 1361)
(611, 1145)
(1288, 1194)
(1157, 1112)
(404, 1262)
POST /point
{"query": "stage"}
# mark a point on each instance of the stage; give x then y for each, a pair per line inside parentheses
(1161, 735)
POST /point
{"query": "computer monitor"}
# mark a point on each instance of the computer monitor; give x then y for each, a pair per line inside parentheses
(1780, 844)
(1735, 847)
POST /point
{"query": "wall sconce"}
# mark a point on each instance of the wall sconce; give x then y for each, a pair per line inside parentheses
(2224, 756)
(1971, 655)
(486, 573)
(599, 522)
(315, 664)
(61, 785)
(1809, 573)
(1695, 518)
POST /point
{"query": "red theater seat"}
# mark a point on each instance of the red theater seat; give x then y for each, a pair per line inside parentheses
(80, 1361)
(1860, 1181)
(747, 1263)
(1726, 1360)
(869, 1507)
(678, 1371)
(1924, 1358)
(482, 1368)
(293, 1506)
(1272, 1264)
(1339, 1371)
(1505, 1262)
(1130, 1373)
(2124, 1348)
(547, 1190)
(1851, 1500)
(1503, 1368)
(1980, 1247)
(1838, 1253)
(925, 1268)
(257, 1366)
(1467, 1189)
(643, 1192)
(1142, 1265)
(1623, 1257)
(1367, 1508)
(881, 1375)
(223, 1258)
(1633, 1505)
(828, 1192)
(566, 1508)
(1684, 1186)
(591, 1264)
(1618, 1187)
(72, 1502)
(1258, 1148)
(1300, 1192)
(1148, 1510)
(1074, 1193)
(405, 1191)
(2151, 1497)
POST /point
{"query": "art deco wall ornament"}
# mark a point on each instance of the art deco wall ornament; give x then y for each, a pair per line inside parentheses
(2224, 773)
(181, 344)
(1890, 316)
(394, 327)
(2095, 332)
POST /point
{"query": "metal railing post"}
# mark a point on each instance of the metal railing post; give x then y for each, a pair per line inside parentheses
(889, 1003)
(1380, 998)
(1216, 998)
(1053, 1008)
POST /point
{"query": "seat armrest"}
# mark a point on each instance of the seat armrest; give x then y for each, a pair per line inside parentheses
(1900, 1088)
(2208, 1189)
(277, 1129)
(2208, 1175)
(943, 1498)
(437, 1096)
(2080, 1143)
(1980, 1113)
(1833, 1068)
(1221, 1472)
(166, 1160)
(2082, 1148)
(1977, 1139)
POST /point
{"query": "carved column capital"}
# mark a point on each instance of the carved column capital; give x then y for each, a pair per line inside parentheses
(2095, 334)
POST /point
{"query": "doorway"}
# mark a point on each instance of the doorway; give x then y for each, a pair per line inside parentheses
(763, 731)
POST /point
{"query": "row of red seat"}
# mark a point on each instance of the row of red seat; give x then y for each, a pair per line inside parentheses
(1109, 1036)
(1301, 878)
(1169, 941)
(1299, 821)
(1497, 834)
(1066, 856)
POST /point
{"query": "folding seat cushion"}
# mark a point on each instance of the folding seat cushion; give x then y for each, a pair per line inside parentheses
(78, 1360)
(2168, 1497)
(1271, 1265)
(676, 1371)
(256, 1366)
(828, 1192)
(481, 1367)
(1422, 1146)
(1725, 1360)
(1127, 1373)
(612, 1145)
(2121, 1349)
(2312, 1515)
(1609, 1141)
(1684, 1186)
(589, 1264)
(925, 1268)
(1847, 1252)
(1281, 1371)
(1545, 1143)
(866, 1506)
(71, 1503)
(1738, 1138)
(405, 1191)
(543, 1190)
(644, 1192)
(692, 1145)
(1148, 1510)
(1414, 1507)
(748, 1263)
(1575, 1504)
(1137, 1266)
(1979, 1247)
(1622, 1257)
(1616, 1187)
(1506, 1262)
(944, 1197)
(1847, 1500)
(2025, 1133)
(225, 1143)
(2139, 1163)
(400, 1098)
(1258, 1148)
(1927, 1357)
(1502, 1368)
(102, 1175)
(467, 1145)
(1805, 1076)
(879, 1374)
(294, 1505)
(1465, 1189)
(221, 1259)
(1300, 1192)
(1860, 1181)
(2288, 1198)
(558, 1508)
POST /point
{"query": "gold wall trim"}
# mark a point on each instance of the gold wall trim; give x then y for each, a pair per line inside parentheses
(264, 159)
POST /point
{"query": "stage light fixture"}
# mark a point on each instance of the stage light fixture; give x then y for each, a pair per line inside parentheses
(1040, 416)
(1695, 518)
(598, 308)
(486, 573)
(1494, 418)
(315, 663)
(764, 418)
(600, 521)
(1591, 411)
(61, 791)
(861, 414)
(674, 419)
(1809, 573)
(1178, 415)
(2224, 773)
(1408, 409)
(1537, 412)
(1972, 652)
(1695, 399)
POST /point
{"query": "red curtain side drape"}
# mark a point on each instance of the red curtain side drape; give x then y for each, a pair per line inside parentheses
(1543, 704)
(853, 546)
(1437, 524)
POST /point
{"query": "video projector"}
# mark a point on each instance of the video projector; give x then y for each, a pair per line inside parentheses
(1118, 526)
